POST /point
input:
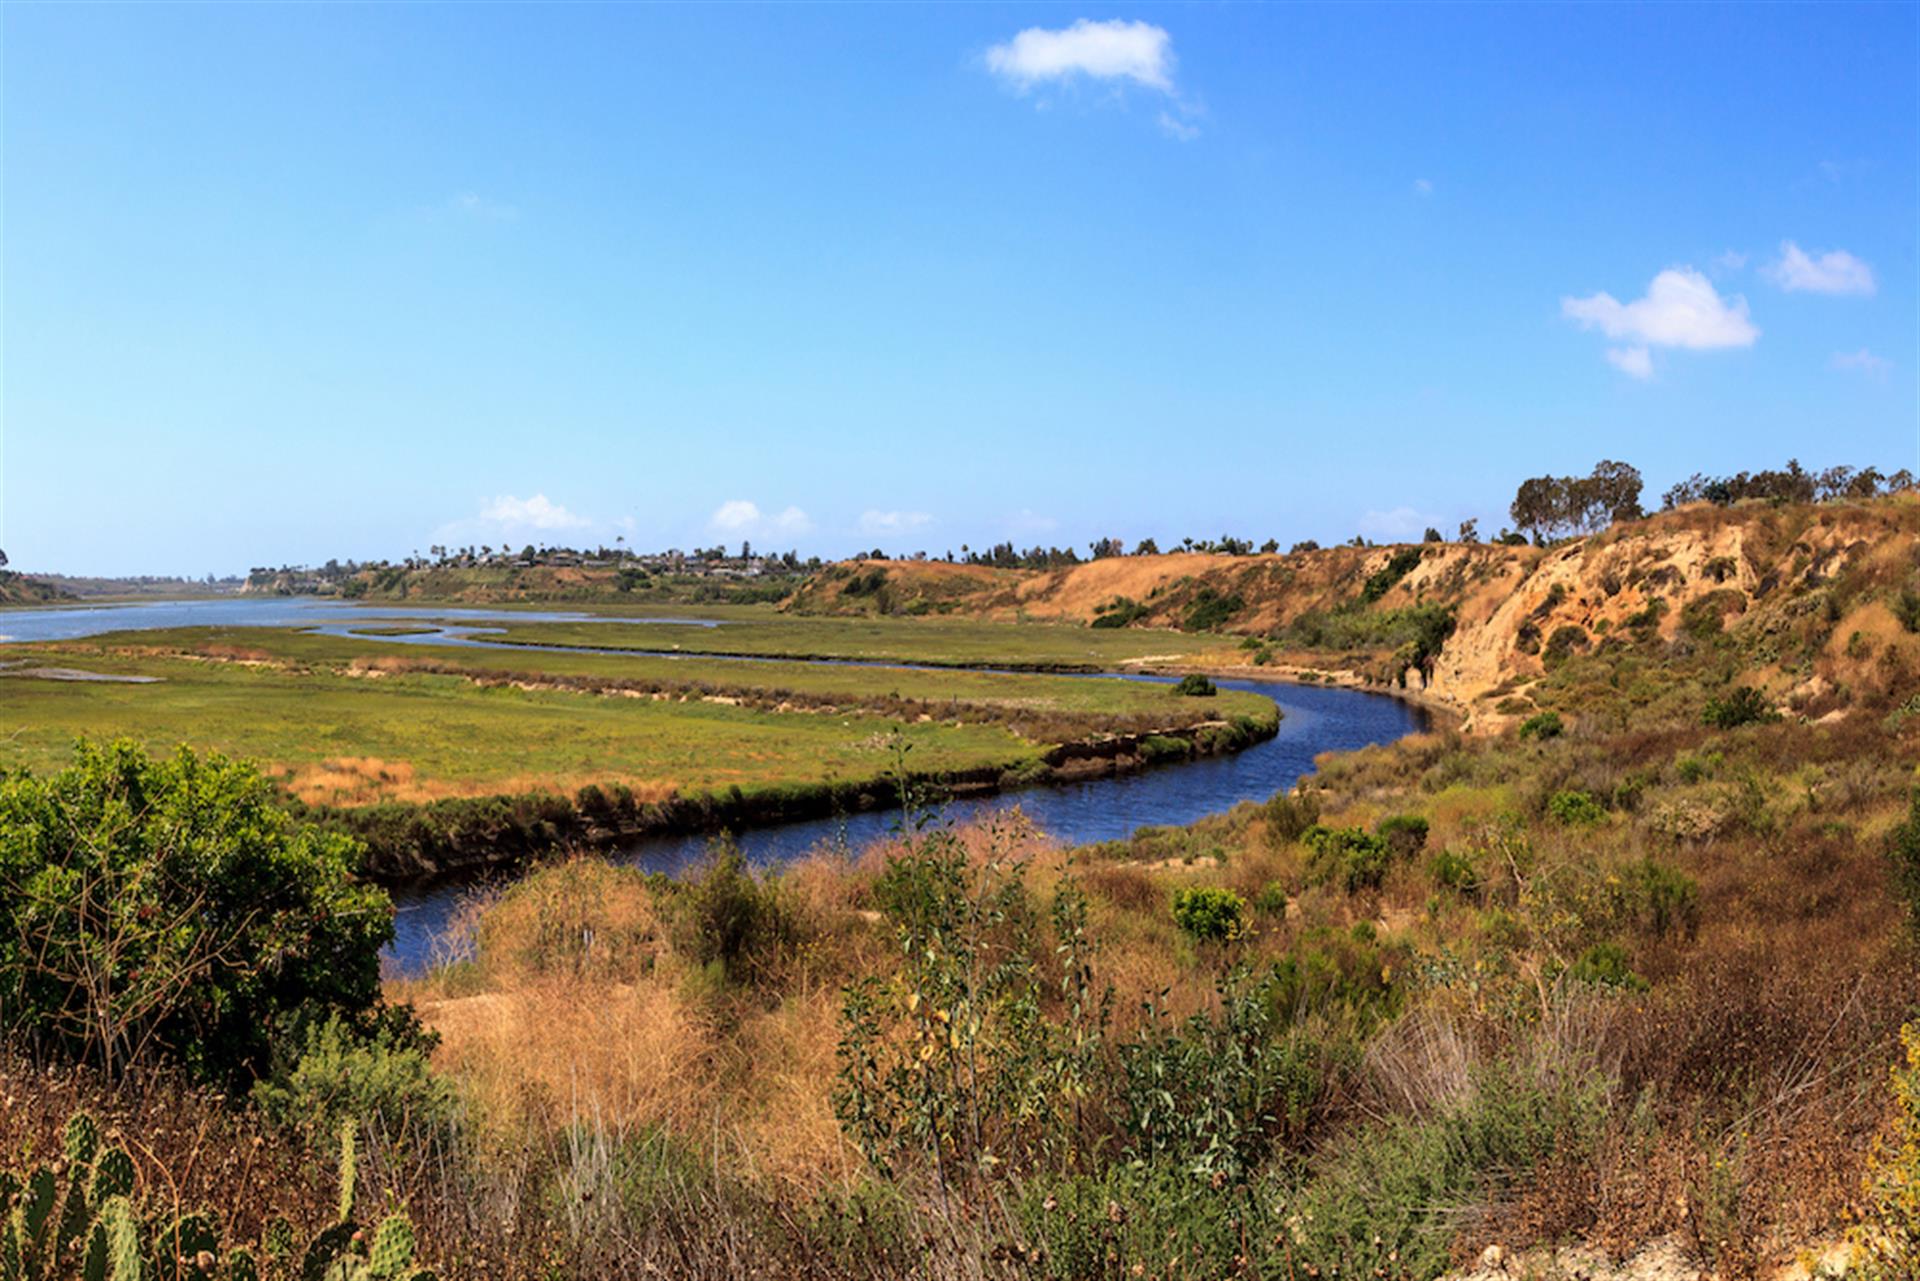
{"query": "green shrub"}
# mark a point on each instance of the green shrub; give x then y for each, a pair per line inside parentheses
(1155, 748)
(1210, 914)
(1543, 726)
(1906, 608)
(727, 918)
(1209, 609)
(1575, 809)
(1745, 705)
(1665, 898)
(1349, 857)
(1903, 853)
(1194, 685)
(1695, 769)
(1382, 580)
(1405, 834)
(1454, 871)
(1121, 611)
(1564, 643)
(1348, 972)
(1605, 964)
(1212, 1095)
(1289, 814)
(1271, 900)
(170, 904)
(380, 1078)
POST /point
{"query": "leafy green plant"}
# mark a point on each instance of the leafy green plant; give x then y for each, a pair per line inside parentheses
(1349, 857)
(1744, 705)
(1405, 834)
(727, 918)
(169, 906)
(1576, 809)
(1194, 685)
(1382, 580)
(1209, 610)
(1542, 726)
(1889, 1233)
(1209, 913)
(380, 1077)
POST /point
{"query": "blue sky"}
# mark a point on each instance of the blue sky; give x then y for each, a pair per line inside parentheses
(289, 282)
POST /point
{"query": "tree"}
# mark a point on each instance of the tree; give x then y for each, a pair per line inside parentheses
(1469, 531)
(1555, 507)
(1269, 547)
(154, 907)
(1432, 536)
(1147, 547)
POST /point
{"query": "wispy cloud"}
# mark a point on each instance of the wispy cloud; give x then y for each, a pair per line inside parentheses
(1423, 186)
(1636, 362)
(1861, 362)
(537, 512)
(1178, 129)
(743, 518)
(1399, 524)
(896, 523)
(1115, 53)
(1113, 50)
(1833, 272)
(470, 204)
(1681, 309)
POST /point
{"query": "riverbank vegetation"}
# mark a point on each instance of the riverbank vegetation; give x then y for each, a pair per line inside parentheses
(445, 757)
(1447, 993)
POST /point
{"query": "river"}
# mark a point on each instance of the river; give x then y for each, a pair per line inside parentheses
(1315, 719)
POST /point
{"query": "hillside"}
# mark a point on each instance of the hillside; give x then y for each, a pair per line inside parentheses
(18, 589)
(1811, 593)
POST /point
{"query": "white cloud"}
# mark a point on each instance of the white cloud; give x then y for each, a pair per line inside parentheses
(1400, 524)
(1862, 361)
(473, 205)
(735, 515)
(1833, 272)
(1177, 128)
(879, 522)
(1028, 521)
(741, 517)
(1731, 260)
(1113, 50)
(1681, 309)
(1636, 361)
(537, 512)
(1423, 186)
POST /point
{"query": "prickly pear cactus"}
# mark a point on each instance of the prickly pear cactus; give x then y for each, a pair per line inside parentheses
(122, 1236)
(190, 1246)
(348, 1169)
(112, 1176)
(392, 1249)
(81, 1138)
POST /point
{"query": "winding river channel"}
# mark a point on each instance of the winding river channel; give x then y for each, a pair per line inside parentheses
(1315, 719)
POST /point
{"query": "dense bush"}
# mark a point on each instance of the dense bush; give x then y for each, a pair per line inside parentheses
(1121, 611)
(1349, 857)
(1405, 834)
(1745, 705)
(378, 1077)
(169, 907)
(1382, 580)
(1290, 814)
(730, 920)
(1575, 809)
(1209, 914)
(1544, 725)
(1209, 609)
(1194, 685)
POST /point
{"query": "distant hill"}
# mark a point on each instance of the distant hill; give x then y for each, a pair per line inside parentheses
(1821, 596)
(18, 589)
